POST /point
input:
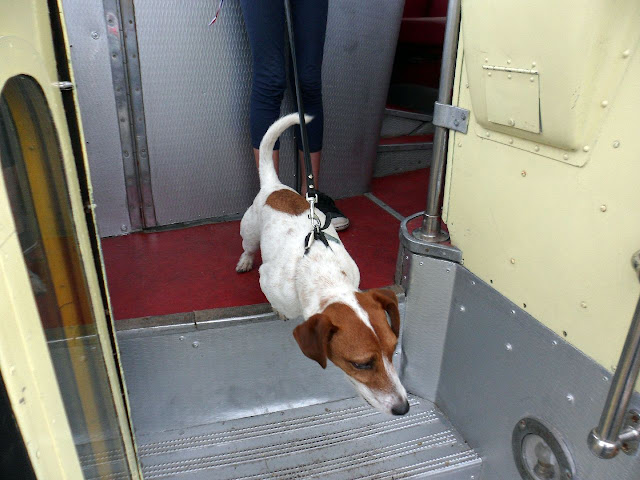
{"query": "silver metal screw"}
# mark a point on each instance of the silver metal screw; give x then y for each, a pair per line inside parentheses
(616, 144)
(95, 35)
(462, 308)
(508, 346)
(123, 227)
(195, 344)
(570, 398)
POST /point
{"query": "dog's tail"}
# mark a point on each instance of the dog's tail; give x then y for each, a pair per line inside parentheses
(266, 170)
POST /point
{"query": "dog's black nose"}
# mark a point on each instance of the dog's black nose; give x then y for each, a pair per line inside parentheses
(401, 408)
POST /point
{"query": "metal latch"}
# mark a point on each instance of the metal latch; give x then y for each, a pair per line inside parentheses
(453, 118)
(63, 85)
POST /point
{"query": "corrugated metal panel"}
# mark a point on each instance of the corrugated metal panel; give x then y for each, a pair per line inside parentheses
(196, 83)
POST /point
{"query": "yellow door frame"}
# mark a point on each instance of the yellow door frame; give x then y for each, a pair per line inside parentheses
(26, 48)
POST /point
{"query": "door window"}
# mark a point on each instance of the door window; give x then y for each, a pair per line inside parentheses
(32, 167)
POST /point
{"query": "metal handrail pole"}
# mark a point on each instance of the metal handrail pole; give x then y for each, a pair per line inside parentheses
(605, 439)
(430, 229)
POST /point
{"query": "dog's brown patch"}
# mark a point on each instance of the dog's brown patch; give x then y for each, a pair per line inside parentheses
(287, 201)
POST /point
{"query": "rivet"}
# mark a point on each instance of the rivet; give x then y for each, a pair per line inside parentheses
(586, 148)
(565, 156)
(459, 144)
(123, 228)
(462, 308)
(404, 277)
(487, 134)
(513, 261)
(603, 208)
(509, 76)
(486, 60)
(570, 398)
(531, 79)
(583, 304)
(626, 53)
(181, 338)
(522, 424)
(554, 343)
(511, 141)
(466, 85)
(508, 346)
(536, 148)
(513, 312)
(195, 344)
(511, 122)
(38, 453)
(605, 378)
(523, 173)
(604, 104)
(95, 35)
(616, 144)
(473, 282)
(488, 74)
(12, 370)
(421, 263)
(533, 64)
(509, 61)
(456, 122)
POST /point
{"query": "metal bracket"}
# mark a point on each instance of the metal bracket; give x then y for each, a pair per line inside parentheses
(429, 249)
(65, 85)
(453, 118)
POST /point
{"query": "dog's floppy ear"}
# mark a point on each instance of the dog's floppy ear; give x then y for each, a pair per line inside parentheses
(389, 301)
(313, 337)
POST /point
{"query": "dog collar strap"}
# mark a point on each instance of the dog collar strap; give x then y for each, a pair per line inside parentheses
(317, 233)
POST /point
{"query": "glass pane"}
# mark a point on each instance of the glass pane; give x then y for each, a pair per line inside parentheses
(33, 173)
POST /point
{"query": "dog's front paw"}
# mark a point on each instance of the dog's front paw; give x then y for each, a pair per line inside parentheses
(245, 263)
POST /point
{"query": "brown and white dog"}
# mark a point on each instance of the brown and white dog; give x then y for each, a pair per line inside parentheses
(342, 324)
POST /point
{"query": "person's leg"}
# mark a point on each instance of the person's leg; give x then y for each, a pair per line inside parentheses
(265, 24)
(310, 25)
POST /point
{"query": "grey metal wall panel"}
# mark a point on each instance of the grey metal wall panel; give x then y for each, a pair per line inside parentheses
(500, 365)
(427, 312)
(196, 82)
(233, 371)
(86, 28)
(358, 59)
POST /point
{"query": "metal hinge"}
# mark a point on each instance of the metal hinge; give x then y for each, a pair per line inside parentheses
(453, 118)
(63, 85)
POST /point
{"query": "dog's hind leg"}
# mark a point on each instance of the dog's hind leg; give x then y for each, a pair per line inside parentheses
(250, 231)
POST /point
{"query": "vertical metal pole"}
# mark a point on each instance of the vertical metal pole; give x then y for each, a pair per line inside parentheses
(604, 440)
(430, 230)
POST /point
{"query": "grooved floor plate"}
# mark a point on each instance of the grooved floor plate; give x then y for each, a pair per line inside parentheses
(343, 440)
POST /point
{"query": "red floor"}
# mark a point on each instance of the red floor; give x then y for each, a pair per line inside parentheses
(194, 268)
(405, 192)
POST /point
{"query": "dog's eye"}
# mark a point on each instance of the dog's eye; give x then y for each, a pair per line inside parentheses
(363, 366)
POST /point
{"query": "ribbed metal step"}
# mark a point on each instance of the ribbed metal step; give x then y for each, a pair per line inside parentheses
(343, 440)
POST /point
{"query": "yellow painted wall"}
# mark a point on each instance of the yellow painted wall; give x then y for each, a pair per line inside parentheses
(554, 237)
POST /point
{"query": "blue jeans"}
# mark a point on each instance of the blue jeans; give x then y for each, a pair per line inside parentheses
(266, 25)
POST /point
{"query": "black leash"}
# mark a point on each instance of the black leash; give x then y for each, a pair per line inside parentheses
(312, 193)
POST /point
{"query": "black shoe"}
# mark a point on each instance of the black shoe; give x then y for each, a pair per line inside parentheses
(327, 206)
